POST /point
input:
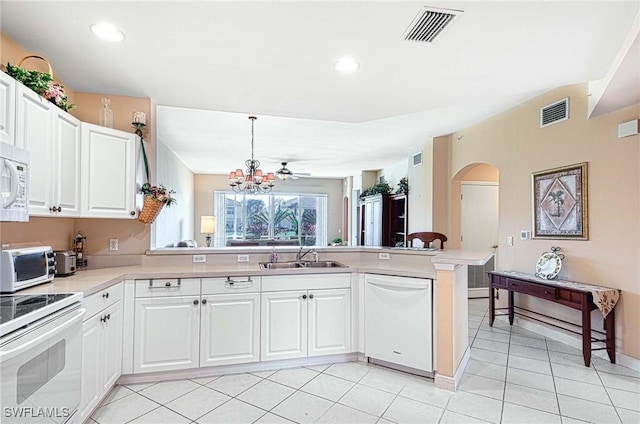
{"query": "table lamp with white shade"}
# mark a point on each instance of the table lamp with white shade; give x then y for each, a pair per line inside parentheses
(208, 227)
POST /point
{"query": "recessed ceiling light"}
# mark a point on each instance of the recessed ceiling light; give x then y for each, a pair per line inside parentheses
(346, 65)
(107, 32)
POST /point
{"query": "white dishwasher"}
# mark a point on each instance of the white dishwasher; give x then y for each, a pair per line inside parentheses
(398, 320)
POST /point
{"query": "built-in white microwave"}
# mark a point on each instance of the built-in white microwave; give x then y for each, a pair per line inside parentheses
(14, 183)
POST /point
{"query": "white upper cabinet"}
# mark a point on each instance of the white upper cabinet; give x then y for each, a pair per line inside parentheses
(52, 137)
(108, 172)
(7, 109)
(34, 132)
(65, 195)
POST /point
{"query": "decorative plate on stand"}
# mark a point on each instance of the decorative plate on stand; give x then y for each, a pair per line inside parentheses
(549, 264)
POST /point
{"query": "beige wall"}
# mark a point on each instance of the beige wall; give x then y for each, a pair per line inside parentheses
(514, 143)
(205, 185)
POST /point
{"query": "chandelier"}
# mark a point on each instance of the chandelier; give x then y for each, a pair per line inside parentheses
(253, 182)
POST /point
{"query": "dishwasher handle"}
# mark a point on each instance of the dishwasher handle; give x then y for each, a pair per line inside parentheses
(400, 285)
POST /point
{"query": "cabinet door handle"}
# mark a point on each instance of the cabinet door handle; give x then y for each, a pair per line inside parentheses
(104, 318)
(167, 284)
(108, 316)
(204, 301)
(311, 296)
(132, 213)
(105, 295)
(195, 302)
(304, 296)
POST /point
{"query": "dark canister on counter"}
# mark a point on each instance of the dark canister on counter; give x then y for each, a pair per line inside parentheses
(80, 249)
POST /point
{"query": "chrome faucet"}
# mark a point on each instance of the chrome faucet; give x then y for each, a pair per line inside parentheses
(301, 255)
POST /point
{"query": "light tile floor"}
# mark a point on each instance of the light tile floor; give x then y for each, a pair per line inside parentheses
(514, 376)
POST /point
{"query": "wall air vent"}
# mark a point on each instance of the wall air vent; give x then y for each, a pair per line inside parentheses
(417, 159)
(429, 23)
(554, 113)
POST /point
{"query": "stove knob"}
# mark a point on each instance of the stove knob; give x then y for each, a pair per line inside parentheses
(49, 254)
(52, 263)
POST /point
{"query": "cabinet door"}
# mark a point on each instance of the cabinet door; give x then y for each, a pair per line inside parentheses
(329, 321)
(230, 329)
(108, 169)
(34, 132)
(91, 365)
(283, 325)
(7, 109)
(66, 179)
(112, 346)
(167, 333)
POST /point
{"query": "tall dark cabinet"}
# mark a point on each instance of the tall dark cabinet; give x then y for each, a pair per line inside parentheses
(383, 220)
(398, 220)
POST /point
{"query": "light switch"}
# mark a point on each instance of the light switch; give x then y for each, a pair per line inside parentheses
(509, 240)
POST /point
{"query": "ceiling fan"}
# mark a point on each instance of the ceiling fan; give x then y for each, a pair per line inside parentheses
(285, 173)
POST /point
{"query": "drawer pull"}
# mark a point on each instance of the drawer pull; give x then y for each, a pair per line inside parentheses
(105, 295)
(242, 284)
(204, 301)
(195, 302)
(167, 285)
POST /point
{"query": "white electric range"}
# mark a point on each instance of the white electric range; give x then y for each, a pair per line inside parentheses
(40, 357)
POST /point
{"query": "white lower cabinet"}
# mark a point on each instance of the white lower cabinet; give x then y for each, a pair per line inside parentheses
(284, 325)
(101, 347)
(177, 328)
(167, 331)
(329, 317)
(307, 322)
(229, 329)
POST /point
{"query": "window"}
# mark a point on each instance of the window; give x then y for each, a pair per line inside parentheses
(271, 219)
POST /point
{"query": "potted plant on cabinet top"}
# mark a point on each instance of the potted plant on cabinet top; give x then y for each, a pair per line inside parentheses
(336, 241)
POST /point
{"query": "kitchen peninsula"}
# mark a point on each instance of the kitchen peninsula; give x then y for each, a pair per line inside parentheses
(447, 269)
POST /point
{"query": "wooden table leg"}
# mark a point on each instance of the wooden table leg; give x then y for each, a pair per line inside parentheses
(610, 325)
(586, 330)
(492, 305)
(511, 307)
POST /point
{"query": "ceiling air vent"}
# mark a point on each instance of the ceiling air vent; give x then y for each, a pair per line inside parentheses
(417, 159)
(554, 113)
(429, 24)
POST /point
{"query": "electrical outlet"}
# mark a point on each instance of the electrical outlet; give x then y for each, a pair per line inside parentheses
(113, 244)
(383, 256)
(243, 258)
(199, 258)
(509, 240)
(525, 234)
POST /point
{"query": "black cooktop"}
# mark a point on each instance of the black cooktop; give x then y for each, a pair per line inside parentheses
(13, 306)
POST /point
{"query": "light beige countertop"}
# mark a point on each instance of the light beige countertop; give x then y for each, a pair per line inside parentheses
(90, 281)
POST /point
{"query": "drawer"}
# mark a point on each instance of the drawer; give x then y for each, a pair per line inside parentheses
(305, 282)
(168, 287)
(101, 300)
(533, 289)
(499, 282)
(228, 285)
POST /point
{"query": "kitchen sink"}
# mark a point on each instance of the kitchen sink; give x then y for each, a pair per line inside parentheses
(325, 264)
(301, 265)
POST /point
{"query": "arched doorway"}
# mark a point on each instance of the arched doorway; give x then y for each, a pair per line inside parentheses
(476, 192)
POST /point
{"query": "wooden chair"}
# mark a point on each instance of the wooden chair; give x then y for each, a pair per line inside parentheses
(426, 238)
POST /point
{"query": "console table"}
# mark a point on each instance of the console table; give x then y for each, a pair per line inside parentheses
(574, 295)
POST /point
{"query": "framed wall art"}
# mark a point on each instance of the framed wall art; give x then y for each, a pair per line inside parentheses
(560, 203)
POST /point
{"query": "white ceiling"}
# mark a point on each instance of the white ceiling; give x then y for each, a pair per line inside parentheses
(209, 65)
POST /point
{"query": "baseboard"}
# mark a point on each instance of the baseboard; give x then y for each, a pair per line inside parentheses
(573, 341)
(451, 383)
(234, 369)
(477, 293)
